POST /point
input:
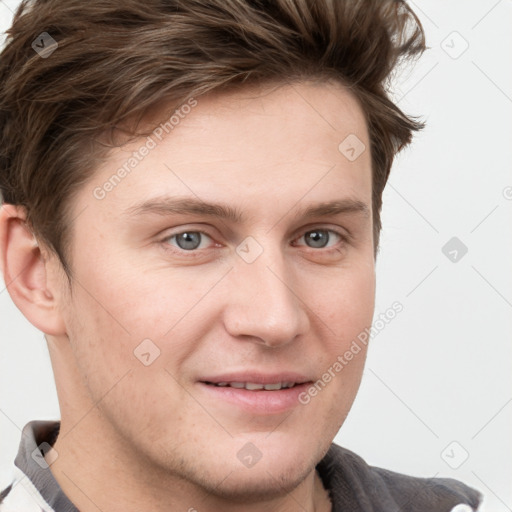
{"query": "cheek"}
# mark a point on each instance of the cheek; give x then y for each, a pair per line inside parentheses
(118, 308)
(344, 308)
(113, 325)
(346, 311)
(345, 302)
(100, 339)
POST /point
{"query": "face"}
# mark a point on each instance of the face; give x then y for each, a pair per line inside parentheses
(172, 297)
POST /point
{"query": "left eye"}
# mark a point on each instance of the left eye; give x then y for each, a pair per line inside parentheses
(319, 238)
(188, 240)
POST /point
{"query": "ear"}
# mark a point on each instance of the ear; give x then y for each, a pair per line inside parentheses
(25, 272)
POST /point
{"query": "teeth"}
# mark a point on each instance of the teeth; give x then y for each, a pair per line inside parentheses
(252, 386)
(271, 387)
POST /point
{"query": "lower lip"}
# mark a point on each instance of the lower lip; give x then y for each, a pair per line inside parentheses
(258, 401)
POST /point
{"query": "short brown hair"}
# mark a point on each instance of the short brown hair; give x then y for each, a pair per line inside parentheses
(117, 60)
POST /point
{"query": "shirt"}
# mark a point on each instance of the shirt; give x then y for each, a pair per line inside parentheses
(353, 485)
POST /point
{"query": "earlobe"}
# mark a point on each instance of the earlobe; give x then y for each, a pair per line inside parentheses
(25, 273)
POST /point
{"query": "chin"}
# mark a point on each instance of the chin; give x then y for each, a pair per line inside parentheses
(262, 482)
(283, 465)
(221, 471)
(278, 462)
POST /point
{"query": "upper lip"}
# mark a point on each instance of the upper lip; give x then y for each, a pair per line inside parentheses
(258, 377)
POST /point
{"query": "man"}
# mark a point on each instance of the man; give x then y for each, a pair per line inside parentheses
(192, 194)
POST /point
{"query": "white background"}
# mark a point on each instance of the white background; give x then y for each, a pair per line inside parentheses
(438, 382)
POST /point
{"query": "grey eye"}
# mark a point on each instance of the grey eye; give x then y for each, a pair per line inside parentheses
(189, 240)
(318, 238)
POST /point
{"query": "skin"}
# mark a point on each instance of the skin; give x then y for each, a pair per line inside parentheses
(149, 437)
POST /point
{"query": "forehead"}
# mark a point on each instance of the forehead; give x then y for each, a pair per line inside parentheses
(277, 118)
(239, 147)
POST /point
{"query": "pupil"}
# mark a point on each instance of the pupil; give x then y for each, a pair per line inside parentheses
(319, 238)
(188, 240)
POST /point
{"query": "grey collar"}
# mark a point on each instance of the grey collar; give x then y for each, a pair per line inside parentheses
(37, 438)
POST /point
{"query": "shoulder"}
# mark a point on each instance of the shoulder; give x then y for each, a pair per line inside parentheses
(349, 477)
(21, 495)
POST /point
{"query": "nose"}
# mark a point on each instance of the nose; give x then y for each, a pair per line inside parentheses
(264, 303)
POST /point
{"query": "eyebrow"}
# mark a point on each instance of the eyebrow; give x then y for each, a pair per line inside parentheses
(168, 205)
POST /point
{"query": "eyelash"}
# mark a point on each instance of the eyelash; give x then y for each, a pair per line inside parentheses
(197, 252)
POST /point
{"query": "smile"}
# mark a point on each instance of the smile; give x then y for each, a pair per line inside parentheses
(252, 386)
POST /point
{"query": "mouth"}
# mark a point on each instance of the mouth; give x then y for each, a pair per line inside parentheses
(255, 394)
(253, 386)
